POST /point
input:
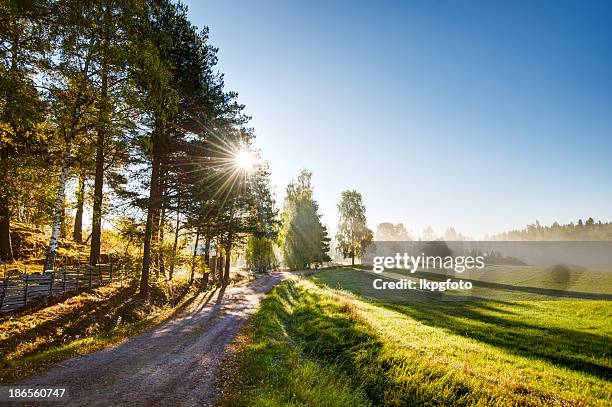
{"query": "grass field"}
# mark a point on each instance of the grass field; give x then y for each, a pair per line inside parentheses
(330, 340)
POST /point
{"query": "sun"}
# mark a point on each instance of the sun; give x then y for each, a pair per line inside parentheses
(245, 160)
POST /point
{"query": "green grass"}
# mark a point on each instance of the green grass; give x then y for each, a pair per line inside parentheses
(330, 340)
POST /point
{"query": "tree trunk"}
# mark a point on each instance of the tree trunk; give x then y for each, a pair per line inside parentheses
(220, 269)
(160, 247)
(96, 222)
(212, 263)
(155, 237)
(207, 251)
(228, 246)
(195, 253)
(207, 271)
(77, 233)
(176, 236)
(226, 276)
(228, 251)
(157, 222)
(152, 208)
(57, 212)
(6, 249)
(204, 285)
(206, 275)
(219, 265)
(63, 226)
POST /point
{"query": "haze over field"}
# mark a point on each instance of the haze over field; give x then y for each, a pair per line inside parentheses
(484, 117)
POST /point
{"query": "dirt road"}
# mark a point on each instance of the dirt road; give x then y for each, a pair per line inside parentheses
(174, 364)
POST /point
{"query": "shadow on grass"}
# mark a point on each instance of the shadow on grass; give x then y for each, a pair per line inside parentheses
(564, 347)
(553, 293)
(577, 350)
(91, 315)
(330, 333)
(482, 290)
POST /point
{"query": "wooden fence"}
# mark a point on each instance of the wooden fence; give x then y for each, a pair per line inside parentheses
(17, 292)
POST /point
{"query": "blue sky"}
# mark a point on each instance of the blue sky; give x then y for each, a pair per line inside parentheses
(484, 116)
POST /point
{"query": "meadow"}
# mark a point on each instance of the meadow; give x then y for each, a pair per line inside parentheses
(332, 340)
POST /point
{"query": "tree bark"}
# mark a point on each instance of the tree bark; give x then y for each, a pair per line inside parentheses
(207, 251)
(195, 253)
(207, 271)
(228, 251)
(213, 267)
(226, 275)
(152, 209)
(220, 262)
(96, 222)
(77, 234)
(6, 249)
(176, 236)
(157, 220)
(57, 212)
(63, 231)
(219, 266)
(162, 223)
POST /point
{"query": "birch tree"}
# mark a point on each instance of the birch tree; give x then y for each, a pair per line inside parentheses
(353, 234)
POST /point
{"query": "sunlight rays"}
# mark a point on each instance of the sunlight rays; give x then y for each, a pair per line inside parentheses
(245, 160)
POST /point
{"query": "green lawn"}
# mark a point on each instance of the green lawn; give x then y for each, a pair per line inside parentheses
(331, 340)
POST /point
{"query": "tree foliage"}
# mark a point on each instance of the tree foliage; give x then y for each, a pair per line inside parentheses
(581, 230)
(303, 238)
(353, 235)
(387, 231)
(259, 254)
(124, 96)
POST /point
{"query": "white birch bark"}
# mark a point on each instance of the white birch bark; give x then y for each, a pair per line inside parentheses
(57, 211)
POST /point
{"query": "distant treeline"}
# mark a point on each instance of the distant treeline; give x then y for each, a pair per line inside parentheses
(588, 229)
(582, 230)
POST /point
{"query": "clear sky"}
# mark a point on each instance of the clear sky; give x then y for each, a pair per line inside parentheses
(484, 116)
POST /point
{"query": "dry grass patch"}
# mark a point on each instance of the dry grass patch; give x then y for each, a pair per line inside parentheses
(32, 340)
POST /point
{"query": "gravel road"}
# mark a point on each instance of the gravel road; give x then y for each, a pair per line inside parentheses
(174, 364)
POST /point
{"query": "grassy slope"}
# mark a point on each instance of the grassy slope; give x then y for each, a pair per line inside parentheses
(30, 245)
(314, 345)
(35, 339)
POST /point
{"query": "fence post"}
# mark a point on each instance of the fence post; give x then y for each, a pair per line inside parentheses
(64, 282)
(51, 283)
(90, 270)
(111, 272)
(100, 273)
(25, 293)
(78, 279)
